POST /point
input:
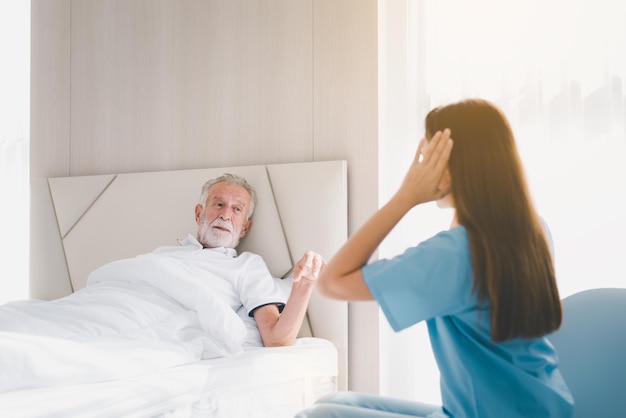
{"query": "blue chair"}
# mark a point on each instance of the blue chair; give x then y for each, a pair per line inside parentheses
(591, 345)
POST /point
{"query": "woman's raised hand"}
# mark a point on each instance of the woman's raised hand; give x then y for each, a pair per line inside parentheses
(422, 183)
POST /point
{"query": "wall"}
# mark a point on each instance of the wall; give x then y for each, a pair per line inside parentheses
(144, 85)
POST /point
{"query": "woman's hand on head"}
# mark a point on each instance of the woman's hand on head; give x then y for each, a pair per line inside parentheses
(422, 183)
(343, 278)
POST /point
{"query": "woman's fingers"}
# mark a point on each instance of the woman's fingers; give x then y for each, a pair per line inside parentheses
(439, 146)
(422, 181)
(419, 154)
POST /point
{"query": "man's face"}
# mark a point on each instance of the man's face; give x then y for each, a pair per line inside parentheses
(223, 220)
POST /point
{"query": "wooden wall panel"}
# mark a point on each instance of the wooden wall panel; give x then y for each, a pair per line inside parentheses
(346, 126)
(345, 93)
(173, 84)
(50, 88)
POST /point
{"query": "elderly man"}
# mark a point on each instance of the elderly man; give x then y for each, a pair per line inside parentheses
(172, 306)
(224, 217)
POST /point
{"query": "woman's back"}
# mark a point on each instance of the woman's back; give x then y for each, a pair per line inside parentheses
(479, 377)
(511, 260)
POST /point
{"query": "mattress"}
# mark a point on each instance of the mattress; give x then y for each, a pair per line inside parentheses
(274, 382)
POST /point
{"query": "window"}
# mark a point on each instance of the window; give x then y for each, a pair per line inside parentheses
(557, 69)
(14, 152)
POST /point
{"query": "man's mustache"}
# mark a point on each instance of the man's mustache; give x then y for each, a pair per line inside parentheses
(222, 224)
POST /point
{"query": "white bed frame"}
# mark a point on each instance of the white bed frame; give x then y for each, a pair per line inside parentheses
(80, 223)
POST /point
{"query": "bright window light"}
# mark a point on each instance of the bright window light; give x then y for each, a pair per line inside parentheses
(557, 69)
(14, 152)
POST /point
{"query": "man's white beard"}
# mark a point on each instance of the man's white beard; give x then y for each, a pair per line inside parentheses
(215, 237)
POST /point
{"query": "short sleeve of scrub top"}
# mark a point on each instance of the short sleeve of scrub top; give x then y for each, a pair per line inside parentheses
(430, 280)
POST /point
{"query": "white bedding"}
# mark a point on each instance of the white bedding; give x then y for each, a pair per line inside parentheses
(145, 338)
(136, 316)
(260, 382)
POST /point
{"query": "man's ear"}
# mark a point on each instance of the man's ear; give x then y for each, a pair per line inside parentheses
(245, 228)
(198, 213)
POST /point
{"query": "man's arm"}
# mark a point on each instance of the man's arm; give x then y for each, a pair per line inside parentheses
(279, 329)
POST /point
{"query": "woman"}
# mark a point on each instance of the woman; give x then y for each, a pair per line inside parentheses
(486, 286)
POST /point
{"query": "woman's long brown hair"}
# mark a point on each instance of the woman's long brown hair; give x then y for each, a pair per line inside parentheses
(511, 258)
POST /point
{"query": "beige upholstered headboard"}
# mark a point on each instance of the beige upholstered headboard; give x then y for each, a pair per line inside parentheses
(80, 223)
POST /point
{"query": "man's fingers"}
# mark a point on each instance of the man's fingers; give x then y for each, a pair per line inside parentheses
(309, 266)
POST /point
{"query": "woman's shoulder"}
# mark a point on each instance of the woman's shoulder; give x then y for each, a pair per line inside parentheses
(452, 240)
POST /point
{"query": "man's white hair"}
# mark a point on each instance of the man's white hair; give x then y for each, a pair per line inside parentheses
(230, 179)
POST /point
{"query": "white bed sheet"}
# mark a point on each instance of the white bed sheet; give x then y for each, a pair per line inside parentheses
(293, 377)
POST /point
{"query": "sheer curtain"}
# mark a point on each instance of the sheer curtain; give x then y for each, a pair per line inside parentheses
(14, 152)
(557, 69)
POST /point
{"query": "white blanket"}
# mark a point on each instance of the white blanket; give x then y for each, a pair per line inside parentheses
(135, 316)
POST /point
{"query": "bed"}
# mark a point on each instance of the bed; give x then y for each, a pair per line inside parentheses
(83, 222)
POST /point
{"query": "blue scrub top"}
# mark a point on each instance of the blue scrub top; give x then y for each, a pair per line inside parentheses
(479, 378)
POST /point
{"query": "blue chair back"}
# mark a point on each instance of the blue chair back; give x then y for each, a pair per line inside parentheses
(591, 345)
